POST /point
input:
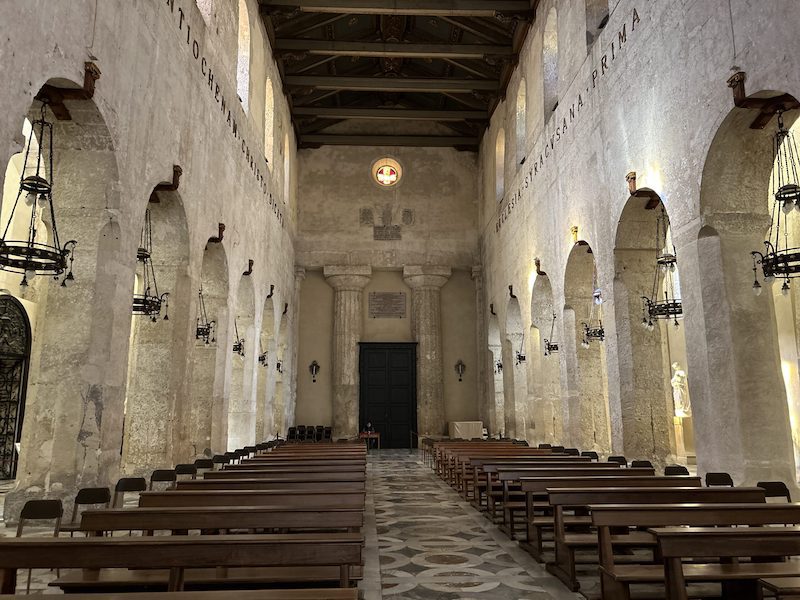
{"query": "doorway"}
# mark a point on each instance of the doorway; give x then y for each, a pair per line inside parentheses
(15, 351)
(388, 394)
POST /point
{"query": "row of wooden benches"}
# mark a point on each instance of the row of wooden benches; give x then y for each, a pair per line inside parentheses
(619, 512)
(293, 519)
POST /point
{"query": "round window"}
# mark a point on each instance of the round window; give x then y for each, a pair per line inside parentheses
(386, 172)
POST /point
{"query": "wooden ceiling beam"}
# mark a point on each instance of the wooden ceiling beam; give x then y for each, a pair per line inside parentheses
(391, 114)
(390, 50)
(420, 141)
(391, 84)
(460, 8)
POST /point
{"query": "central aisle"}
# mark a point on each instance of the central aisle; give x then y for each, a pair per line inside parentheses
(432, 544)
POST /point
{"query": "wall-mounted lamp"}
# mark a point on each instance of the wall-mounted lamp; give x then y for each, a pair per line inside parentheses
(271, 290)
(631, 179)
(285, 308)
(511, 291)
(263, 354)
(313, 368)
(279, 366)
(491, 309)
(460, 368)
(498, 367)
(550, 347)
(220, 234)
(520, 357)
(250, 263)
(238, 343)
(574, 231)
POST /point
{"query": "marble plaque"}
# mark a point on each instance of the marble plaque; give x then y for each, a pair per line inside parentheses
(386, 233)
(387, 305)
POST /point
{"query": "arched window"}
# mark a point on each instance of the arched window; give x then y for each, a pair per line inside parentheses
(550, 63)
(243, 62)
(287, 169)
(500, 164)
(596, 19)
(206, 9)
(521, 124)
(269, 123)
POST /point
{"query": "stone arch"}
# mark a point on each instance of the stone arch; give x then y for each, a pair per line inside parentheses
(596, 19)
(265, 428)
(515, 385)
(544, 383)
(53, 459)
(242, 398)
(155, 395)
(209, 355)
(644, 356)
(739, 397)
(497, 413)
(550, 63)
(500, 164)
(586, 367)
(243, 56)
(521, 120)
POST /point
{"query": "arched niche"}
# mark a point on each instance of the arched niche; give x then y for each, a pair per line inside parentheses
(518, 421)
(243, 56)
(741, 417)
(242, 398)
(550, 63)
(544, 378)
(156, 394)
(265, 428)
(649, 429)
(210, 354)
(77, 362)
(588, 402)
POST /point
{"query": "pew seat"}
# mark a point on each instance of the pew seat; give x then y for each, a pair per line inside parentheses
(783, 588)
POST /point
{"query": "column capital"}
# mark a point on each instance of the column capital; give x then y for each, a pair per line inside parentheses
(427, 276)
(347, 277)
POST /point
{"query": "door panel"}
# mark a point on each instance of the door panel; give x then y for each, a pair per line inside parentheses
(388, 397)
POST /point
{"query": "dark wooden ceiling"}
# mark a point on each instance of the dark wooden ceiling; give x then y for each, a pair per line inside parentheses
(371, 64)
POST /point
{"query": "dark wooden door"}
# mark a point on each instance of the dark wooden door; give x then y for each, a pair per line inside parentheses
(388, 397)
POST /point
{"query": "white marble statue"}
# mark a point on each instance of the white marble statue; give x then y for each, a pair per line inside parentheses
(680, 395)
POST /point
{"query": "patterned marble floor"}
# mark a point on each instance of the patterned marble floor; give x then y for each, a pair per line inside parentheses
(433, 545)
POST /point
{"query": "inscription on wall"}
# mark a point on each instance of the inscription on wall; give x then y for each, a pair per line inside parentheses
(387, 305)
(386, 233)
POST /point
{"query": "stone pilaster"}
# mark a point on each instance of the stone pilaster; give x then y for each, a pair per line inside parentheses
(348, 283)
(426, 321)
(294, 311)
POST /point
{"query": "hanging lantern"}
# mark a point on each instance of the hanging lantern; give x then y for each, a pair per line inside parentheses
(205, 328)
(498, 367)
(238, 344)
(31, 257)
(549, 346)
(149, 303)
(779, 260)
(263, 354)
(521, 358)
(664, 280)
(593, 330)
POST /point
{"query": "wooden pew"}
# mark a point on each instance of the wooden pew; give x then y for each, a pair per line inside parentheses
(442, 450)
(512, 498)
(262, 483)
(616, 578)
(300, 462)
(739, 579)
(450, 463)
(184, 519)
(560, 498)
(536, 487)
(476, 482)
(288, 474)
(295, 468)
(178, 553)
(327, 498)
(312, 594)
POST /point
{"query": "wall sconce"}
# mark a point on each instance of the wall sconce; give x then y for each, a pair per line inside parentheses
(460, 368)
(313, 368)
(511, 291)
(279, 366)
(271, 290)
(520, 357)
(263, 354)
(249, 270)
(498, 367)
(631, 179)
(491, 310)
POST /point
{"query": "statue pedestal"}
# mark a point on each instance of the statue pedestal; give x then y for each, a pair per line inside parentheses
(680, 446)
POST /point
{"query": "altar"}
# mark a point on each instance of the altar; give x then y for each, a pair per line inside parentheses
(466, 430)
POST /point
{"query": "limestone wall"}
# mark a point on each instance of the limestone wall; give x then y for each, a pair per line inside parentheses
(158, 103)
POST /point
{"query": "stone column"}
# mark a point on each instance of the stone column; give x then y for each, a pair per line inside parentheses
(485, 394)
(738, 395)
(426, 320)
(348, 283)
(294, 311)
